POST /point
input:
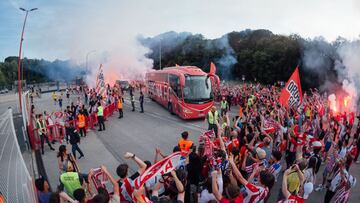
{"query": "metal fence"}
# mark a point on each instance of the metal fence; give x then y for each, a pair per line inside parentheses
(16, 184)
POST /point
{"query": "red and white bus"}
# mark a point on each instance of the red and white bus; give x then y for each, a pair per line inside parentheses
(184, 90)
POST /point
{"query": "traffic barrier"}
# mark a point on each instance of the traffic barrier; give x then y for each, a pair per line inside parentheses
(93, 120)
(109, 110)
(56, 132)
(51, 131)
(106, 112)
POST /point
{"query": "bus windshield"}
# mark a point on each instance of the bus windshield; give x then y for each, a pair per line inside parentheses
(197, 89)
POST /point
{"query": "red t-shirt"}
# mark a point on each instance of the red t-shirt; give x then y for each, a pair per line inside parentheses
(354, 151)
(238, 199)
(293, 199)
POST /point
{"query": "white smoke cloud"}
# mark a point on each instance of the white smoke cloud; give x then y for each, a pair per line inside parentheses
(343, 57)
(228, 59)
(79, 27)
(349, 53)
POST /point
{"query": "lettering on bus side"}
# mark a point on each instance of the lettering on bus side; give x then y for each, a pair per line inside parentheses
(151, 85)
(158, 90)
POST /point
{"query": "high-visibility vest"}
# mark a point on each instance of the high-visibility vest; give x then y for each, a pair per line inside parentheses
(211, 116)
(185, 145)
(223, 104)
(223, 125)
(119, 104)
(308, 112)
(71, 182)
(41, 126)
(81, 121)
(100, 111)
(249, 103)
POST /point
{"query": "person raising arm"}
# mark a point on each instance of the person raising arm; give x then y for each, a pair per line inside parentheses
(141, 164)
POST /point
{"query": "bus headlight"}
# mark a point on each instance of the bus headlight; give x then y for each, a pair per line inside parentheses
(187, 111)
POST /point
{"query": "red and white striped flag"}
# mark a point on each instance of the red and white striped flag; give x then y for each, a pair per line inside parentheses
(100, 83)
(270, 126)
(205, 139)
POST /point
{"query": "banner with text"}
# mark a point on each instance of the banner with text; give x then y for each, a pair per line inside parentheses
(291, 94)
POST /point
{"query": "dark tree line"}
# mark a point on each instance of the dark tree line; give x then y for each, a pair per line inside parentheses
(37, 71)
(260, 55)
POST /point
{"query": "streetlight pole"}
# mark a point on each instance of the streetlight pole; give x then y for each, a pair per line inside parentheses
(22, 67)
(87, 57)
(19, 59)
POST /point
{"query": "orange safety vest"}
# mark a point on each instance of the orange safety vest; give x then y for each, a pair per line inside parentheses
(185, 145)
(119, 104)
(81, 121)
(241, 111)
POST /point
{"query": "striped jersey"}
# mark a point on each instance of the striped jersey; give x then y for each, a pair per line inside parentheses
(255, 193)
(126, 190)
(342, 195)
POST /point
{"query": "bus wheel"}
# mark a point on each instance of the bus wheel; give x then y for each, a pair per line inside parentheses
(170, 108)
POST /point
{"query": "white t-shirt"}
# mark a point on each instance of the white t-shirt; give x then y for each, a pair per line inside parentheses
(309, 176)
(342, 152)
(115, 199)
(205, 196)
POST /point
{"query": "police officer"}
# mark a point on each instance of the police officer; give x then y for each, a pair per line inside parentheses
(213, 116)
(41, 126)
(100, 115)
(120, 106)
(141, 100)
(223, 106)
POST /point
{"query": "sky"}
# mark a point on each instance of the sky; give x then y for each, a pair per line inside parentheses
(69, 29)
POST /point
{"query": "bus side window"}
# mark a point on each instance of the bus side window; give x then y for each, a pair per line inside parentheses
(178, 91)
(175, 84)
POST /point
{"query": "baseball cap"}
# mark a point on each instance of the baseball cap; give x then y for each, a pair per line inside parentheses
(317, 144)
(260, 153)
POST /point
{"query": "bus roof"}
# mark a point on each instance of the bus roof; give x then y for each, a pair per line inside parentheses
(190, 70)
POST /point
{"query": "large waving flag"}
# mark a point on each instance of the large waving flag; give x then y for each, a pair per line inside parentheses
(291, 94)
(212, 69)
(215, 79)
(100, 83)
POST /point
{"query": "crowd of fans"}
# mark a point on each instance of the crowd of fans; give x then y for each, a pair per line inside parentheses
(239, 160)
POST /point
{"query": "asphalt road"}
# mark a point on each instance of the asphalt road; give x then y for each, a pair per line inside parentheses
(140, 133)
